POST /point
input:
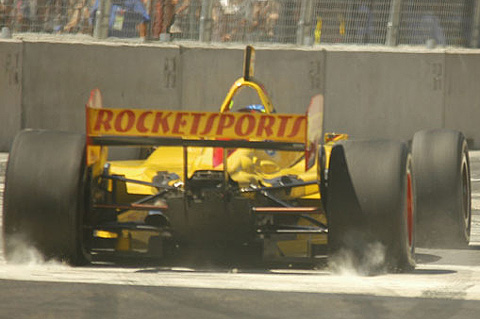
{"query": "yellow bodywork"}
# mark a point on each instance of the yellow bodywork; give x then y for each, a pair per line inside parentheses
(245, 166)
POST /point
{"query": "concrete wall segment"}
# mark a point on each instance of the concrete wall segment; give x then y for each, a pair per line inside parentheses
(383, 94)
(462, 95)
(207, 74)
(291, 77)
(11, 61)
(59, 76)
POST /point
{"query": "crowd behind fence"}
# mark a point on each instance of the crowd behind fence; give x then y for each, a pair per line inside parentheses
(302, 22)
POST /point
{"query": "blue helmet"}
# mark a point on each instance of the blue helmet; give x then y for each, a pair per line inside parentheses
(253, 108)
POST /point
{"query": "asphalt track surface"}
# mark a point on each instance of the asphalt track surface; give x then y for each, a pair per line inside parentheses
(445, 284)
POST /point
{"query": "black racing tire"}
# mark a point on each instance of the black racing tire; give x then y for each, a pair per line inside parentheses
(370, 206)
(45, 197)
(442, 176)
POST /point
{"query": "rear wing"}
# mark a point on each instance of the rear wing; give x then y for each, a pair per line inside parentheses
(139, 127)
(196, 125)
(108, 124)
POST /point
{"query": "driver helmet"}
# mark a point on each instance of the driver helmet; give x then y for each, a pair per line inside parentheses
(253, 108)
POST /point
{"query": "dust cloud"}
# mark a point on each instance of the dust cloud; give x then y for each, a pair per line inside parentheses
(22, 253)
(368, 262)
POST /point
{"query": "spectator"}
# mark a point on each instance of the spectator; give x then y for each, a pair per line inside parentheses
(261, 19)
(330, 26)
(217, 19)
(163, 19)
(430, 29)
(427, 27)
(255, 18)
(286, 30)
(6, 13)
(187, 19)
(78, 14)
(51, 15)
(26, 14)
(272, 10)
(234, 19)
(39, 15)
(245, 20)
(126, 17)
(364, 22)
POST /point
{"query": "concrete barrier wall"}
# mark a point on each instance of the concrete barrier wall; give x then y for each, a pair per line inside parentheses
(368, 92)
(207, 74)
(462, 95)
(372, 94)
(291, 77)
(59, 76)
(11, 59)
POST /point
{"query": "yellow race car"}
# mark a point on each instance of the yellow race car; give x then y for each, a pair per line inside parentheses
(245, 181)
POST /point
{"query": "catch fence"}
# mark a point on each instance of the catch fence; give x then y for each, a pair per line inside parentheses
(301, 22)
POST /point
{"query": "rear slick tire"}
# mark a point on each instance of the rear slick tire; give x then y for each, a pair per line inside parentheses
(45, 197)
(370, 206)
(442, 176)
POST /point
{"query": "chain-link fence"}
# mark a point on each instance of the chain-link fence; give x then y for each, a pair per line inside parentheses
(356, 21)
(303, 22)
(46, 16)
(445, 22)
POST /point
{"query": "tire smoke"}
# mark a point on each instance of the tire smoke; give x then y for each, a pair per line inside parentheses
(367, 261)
(21, 252)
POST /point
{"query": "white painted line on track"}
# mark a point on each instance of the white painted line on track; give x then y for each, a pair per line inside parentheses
(429, 281)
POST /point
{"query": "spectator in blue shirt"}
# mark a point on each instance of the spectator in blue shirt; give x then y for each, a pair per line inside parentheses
(125, 17)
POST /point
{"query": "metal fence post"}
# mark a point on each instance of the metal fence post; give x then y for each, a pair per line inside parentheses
(304, 26)
(206, 21)
(475, 25)
(191, 23)
(394, 23)
(102, 19)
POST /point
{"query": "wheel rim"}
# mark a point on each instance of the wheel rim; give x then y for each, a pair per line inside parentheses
(466, 199)
(409, 211)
